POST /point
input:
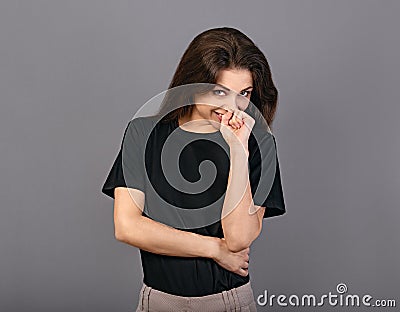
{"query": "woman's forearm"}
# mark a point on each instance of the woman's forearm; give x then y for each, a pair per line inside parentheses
(156, 237)
(240, 221)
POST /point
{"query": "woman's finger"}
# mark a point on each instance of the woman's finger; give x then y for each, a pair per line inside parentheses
(248, 120)
(244, 272)
(239, 115)
(234, 121)
(225, 118)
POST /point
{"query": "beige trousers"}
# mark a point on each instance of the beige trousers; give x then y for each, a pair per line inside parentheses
(236, 299)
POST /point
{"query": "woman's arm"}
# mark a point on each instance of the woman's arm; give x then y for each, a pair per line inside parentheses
(241, 222)
(133, 228)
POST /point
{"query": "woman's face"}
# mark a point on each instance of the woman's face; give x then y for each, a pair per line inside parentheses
(232, 90)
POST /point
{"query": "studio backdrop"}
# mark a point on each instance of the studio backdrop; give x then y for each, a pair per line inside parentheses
(74, 73)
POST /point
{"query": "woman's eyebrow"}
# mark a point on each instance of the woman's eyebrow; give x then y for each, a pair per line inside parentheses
(223, 87)
(227, 89)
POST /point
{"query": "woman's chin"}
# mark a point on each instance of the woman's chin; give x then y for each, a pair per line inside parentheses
(215, 122)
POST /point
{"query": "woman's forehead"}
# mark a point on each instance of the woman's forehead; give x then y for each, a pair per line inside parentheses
(235, 79)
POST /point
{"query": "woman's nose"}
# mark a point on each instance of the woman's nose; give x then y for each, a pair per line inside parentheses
(230, 105)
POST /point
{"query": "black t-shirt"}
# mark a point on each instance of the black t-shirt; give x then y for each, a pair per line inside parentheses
(140, 164)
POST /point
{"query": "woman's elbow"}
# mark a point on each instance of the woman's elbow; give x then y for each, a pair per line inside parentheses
(240, 242)
(119, 235)
(235, 247)
(236, 244)
(124, 230)
(119, 232)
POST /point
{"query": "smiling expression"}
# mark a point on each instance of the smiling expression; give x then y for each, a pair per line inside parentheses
(232, 90)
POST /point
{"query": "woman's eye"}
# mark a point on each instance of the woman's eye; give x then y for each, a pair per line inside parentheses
(219, 92)
(247, 93)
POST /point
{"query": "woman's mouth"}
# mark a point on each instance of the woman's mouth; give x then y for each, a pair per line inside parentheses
(219, 116)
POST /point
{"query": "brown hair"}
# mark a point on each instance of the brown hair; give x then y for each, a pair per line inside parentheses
(217, 49)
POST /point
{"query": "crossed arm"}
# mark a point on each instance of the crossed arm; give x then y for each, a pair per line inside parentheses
(240, 228)
(140, 231)
(133, 228)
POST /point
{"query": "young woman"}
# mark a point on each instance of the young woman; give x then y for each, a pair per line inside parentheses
(201, 263)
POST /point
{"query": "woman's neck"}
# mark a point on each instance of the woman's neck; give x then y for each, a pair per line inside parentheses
(199, 125)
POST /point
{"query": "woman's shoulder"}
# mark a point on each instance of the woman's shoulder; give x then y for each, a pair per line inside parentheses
(261, 137)
(145, 129)
(141, 122)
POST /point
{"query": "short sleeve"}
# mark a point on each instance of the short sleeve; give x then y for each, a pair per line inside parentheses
(267, 196)
(128, 167)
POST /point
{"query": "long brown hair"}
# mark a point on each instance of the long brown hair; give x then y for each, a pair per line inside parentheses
(217, 49)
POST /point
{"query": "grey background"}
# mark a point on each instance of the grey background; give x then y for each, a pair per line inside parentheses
(73, 73)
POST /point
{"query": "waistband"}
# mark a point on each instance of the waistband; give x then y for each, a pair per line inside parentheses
(226, 300)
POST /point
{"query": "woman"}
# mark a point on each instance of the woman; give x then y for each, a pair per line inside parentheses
(200, 263)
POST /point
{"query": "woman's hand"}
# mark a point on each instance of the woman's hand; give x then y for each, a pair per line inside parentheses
(236, 262)
(236, 127)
